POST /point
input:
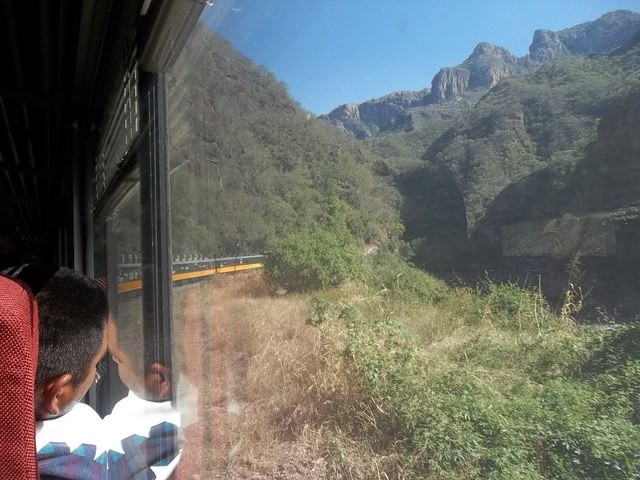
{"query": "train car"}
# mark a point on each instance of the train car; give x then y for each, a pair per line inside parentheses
(183, 271)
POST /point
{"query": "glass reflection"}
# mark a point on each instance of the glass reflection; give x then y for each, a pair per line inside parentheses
(140, 426)
(451, 268)
(144, 424)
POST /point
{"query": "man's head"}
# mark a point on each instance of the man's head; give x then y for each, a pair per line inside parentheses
(72, 316)
(131, 346)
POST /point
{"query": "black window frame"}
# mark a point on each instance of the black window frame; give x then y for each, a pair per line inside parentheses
(148, 154)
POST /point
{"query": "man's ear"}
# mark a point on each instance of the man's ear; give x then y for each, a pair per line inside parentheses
(56, 394)
(158, 382)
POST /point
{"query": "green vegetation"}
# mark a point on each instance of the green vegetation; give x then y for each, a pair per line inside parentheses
(315, 260)
(501, 387)
(392, 277)
(420, 380)
(249, 167)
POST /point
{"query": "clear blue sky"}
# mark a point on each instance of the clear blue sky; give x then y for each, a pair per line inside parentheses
(330, 52)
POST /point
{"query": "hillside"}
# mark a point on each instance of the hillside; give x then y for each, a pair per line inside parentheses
(605, 179)
(584, 213)
(518, 182)
(248, 165)
(530, 122)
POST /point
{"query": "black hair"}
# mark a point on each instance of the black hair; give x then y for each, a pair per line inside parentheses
(10, 253)
(72, 316)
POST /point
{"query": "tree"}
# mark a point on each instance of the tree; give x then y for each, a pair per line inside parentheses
(314, 260)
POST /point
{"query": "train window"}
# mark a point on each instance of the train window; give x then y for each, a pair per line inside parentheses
(119, 260)
(136, 392)
(341, 239)
(449, 253)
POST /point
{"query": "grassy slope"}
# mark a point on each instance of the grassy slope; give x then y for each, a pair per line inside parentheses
(353, 383)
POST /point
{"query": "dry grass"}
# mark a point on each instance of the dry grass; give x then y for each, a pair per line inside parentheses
(263, 378)
(275, 397)
(272, 390)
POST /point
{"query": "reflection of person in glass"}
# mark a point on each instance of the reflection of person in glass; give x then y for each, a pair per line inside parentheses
(143, 427)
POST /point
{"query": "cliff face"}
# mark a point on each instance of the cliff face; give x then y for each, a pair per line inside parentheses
(547, 47)
(391, 112)
(449, 83)
(486, 66)
(605, 183)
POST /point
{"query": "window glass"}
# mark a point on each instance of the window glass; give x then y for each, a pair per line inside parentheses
(404, 240)
(119, 260)
(135, 394)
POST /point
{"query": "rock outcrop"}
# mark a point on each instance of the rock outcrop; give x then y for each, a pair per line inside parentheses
(547, 47)
(449, 83)
(390, 112)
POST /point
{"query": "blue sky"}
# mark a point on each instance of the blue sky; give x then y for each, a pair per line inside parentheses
(330, 52)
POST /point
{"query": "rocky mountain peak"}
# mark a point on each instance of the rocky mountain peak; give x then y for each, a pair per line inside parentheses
(406, 98)
(487, 65)
(484, 68)
(547, 47)
(386, 113)
(612, 30)
(485, 49)
(348, 111)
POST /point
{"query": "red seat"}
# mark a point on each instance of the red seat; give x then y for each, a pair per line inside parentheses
(18, 362)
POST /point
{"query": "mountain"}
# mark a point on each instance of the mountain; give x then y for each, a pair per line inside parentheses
(249, 166)
(529, 122)
(462, 86)
(603, 183)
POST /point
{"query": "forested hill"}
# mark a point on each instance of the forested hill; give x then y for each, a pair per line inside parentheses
(248, 165)
(531, 122)
(543, 122)
(603, 184)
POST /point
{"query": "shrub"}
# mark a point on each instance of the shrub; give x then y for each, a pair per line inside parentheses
(457, 420)
(518, 309)
(392, 275)
(314, 260)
